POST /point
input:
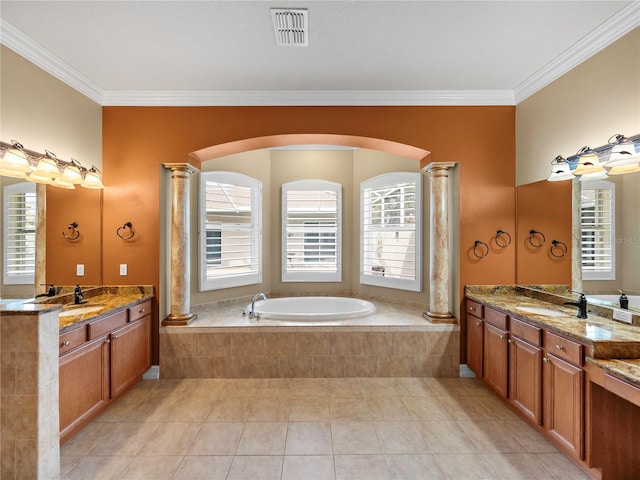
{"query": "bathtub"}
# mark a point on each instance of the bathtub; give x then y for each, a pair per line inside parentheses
(634, 300)
(312, 308)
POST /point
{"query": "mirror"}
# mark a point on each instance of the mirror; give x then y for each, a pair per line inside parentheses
(63, 255)
(548, 204)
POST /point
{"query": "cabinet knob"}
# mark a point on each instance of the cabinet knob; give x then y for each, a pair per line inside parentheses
(108, 340)
(502, 337)
(142, 310)
(545, 359)
(509, 341)
(478, 323)
(114, 337)
(471, 308)
(66, 343)
(559, 347)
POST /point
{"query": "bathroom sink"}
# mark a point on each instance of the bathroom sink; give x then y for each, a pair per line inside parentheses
(541, 311)
(73, 310)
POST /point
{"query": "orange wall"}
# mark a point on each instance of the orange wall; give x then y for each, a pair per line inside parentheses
(136, 140)
(545, 207)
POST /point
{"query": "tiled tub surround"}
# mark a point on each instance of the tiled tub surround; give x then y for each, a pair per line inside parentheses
(396, 341)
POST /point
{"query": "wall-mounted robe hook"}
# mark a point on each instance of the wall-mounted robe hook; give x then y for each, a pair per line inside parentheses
(123, 228)
(503, 239)
(558, 249)
(536, 239)
(74, 233)
(480, 249)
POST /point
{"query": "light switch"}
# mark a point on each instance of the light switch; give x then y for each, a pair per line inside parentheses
(123, 269)
(80, 270)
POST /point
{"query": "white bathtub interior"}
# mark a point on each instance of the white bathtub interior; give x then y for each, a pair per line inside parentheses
(312, 309)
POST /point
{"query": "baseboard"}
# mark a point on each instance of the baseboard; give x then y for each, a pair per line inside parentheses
(153, 373)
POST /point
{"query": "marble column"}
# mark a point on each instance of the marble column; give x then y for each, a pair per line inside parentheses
(576, 236)
(180, 288)
(439, 281)
(41, 239)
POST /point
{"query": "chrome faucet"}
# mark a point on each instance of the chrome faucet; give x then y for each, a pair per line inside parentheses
(581, 304)
(252, 313)
(77, 295)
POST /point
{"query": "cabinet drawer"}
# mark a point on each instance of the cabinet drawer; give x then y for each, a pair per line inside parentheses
(563, 348)
(106, 325)
(475, 308)
(139, 311)
(526, 332)
(72, 339)
(623, 389)
(495, 318)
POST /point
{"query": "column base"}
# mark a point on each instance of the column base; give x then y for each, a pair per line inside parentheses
(439, 317)
(179, 320)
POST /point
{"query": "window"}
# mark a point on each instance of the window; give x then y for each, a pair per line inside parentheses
(597, 212)
(390, 231)
(20, 220)
(311, 231)
(230, 230)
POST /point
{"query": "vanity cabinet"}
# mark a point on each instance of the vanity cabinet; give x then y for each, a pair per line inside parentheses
(564, 393)
(525, 369)
(99, 361)
(475, 336)
(496, 351)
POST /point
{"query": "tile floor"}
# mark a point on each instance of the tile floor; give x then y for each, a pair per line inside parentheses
(343, 428)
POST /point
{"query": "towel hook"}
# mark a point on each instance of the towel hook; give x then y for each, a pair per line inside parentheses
(534, 238)
(558, 247)
(125, 226)
(480, 249)
(74, 232)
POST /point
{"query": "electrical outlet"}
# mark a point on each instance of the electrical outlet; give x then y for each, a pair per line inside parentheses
(622, 315)
(123, 269)
(80, 270)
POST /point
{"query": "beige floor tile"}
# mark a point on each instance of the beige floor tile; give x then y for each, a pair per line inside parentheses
(560, 467)
(361, 467)
(399, 437)
(191, 407)
(515, 466)
(424, 409)
(97, 468)
(378, 387)
(412, 387)
(67, 463)
(491, 436)
(126, 439)
(308, 467)
(170, 439)
(351, 438)
(241, 387)
(447, 386)
(151, 409)
(308, 387)
(269, 409)
(217, 439)
(465, 466)
(343, 387)
(87, 439)
(496, 407)
(230, 409)
(274, 387)
(465, 407)
(525, 435)
(388, 408)
(263, 438)
(151, 468)
(350, 409)
(256, 468)
(309, 438)
(446, 437)
(413, 467)
(204, 467)
(308, 409)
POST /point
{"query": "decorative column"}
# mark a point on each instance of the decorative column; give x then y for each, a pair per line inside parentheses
(439, 285)
(41, 240)
(576, 236)
(180, 288)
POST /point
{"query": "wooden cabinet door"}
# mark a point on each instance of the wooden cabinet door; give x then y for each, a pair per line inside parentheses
(496, 358)
(564, 404)
(525, 378)
(130, 354)
(475, 333)
(84, 386)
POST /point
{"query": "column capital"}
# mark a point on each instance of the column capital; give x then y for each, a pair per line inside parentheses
(181, 167)
(439, 167)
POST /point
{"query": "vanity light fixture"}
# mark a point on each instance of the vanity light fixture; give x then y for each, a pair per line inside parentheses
(46, 168)
(621, 155)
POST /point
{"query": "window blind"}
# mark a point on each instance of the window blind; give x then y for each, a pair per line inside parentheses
(20, 233)
(598, 231)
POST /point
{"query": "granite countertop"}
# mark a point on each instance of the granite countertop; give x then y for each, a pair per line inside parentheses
(111, 298)
(612, 345)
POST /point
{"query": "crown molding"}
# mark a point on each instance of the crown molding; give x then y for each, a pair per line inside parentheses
(17, 41)
(604, 35)
(308, 98)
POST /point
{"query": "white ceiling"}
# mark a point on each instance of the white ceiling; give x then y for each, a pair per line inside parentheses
(360, 52)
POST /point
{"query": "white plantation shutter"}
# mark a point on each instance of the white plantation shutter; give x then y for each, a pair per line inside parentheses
(598, 230)
(230, 230)
(20, 221)
(311, 231)
(390, 231)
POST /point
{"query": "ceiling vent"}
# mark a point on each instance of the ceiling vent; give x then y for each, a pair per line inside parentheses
(290, 27)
